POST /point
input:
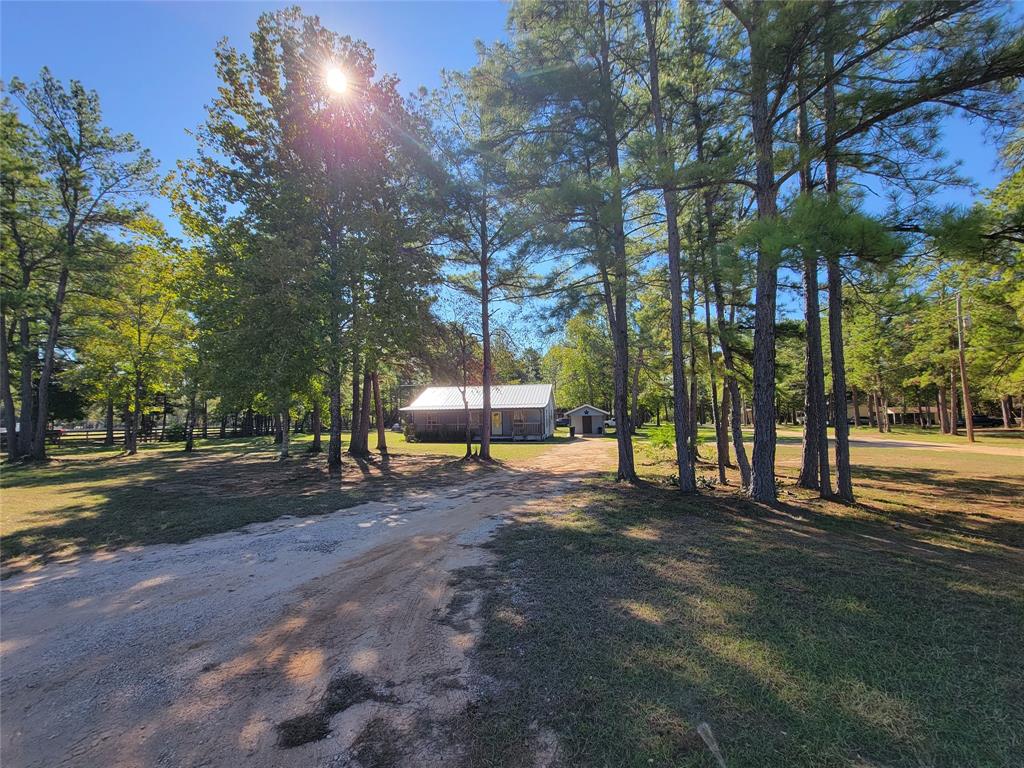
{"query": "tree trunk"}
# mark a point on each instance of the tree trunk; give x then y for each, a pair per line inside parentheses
(285, 420)
(49, 361)
(954, 416)
(943, 409)
(814, 465)
(190, 425)
(129, 424)
(844, 477)
(485, 339)
(10, 417)
(635, 393)
(737, 415)
(29, 359)
(619, 303)
(1004, 403)
(856, 406)
(363, 448)
(726, 412)
(206, 420)
(354, 441)
(133, 445)
(334, 437)
(316, 427)
(968, 407)
(721, 435)
(762, 487)
(223, 426)
(382, 440)
(108, 422)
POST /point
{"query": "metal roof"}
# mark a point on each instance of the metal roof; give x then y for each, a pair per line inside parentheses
(587, 405)
(502, 396)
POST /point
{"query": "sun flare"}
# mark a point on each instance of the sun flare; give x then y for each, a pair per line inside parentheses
(336, 80)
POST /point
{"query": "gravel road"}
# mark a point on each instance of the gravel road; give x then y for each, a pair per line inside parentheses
(193, 654)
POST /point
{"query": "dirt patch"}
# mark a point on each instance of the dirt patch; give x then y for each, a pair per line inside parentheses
(342, 692)
(223, 650)
(380, 745)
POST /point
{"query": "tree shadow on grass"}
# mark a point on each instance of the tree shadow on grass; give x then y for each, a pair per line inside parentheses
(174, 497)
(800, 637)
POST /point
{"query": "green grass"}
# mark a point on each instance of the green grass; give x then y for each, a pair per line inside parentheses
(988, 436)
(90, 498)
(810, 634)
(501, 450)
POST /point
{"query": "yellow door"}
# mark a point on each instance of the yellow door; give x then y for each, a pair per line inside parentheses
(496, 423)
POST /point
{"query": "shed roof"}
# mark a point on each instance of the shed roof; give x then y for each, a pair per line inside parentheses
(502, 396)
(586, 405)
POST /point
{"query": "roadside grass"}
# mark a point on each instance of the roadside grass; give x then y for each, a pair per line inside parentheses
(987, 436)
(89, 497)
(885, 633)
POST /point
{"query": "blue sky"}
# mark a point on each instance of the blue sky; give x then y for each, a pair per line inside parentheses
(152, 63)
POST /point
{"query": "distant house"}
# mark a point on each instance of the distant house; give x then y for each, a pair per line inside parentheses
(587, 419)
(518, 412)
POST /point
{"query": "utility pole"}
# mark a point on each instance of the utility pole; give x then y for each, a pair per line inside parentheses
(968, 410)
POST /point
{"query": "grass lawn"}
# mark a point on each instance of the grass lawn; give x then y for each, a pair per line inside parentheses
(887, 633)
(989, 436)
(90, 498)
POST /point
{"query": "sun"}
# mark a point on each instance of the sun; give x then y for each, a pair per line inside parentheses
(336, 80)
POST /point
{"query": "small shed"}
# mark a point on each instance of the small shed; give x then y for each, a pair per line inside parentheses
(587, 419)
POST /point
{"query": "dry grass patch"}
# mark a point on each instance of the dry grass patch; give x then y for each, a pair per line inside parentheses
(805, 634)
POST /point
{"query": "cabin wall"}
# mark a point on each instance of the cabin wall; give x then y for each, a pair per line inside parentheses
(449, 425)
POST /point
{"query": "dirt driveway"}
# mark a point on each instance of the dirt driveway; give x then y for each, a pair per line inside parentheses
(340, 626)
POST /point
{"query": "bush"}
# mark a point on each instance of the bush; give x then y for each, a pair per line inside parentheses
(175, 433)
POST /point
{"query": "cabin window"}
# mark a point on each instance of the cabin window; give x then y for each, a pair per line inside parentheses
(433, 421)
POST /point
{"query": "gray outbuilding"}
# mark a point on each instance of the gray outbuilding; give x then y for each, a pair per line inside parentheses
(518, 412)
(587, 419)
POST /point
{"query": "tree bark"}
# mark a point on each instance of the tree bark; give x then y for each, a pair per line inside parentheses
(108, 422)
(133, 445)
(334, 437)
(382, 440)
(285, 420)
(736, 416)
(29, 359)
(814, 465)
(968, 407)
(1004, 403)
(619, 320)
(354, 441)
(485, 333)
(190, 424)
(844, 476)
(364, 415)
(717, 415)
(680, 404)
(128, 423)
(316, 427)
(10, 417)
(726, 414)
(954, 416)
(762, 487)
(943, 409)
(49, 361)
(206, 420)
